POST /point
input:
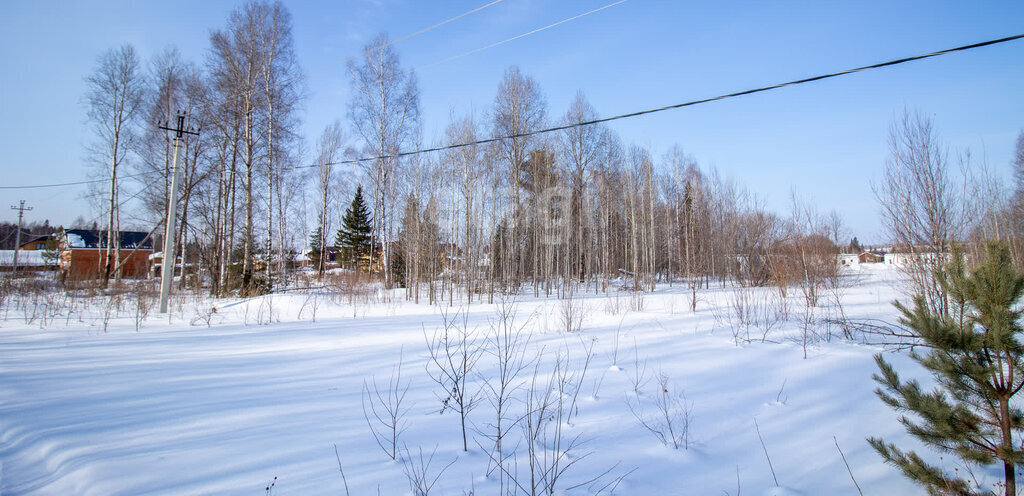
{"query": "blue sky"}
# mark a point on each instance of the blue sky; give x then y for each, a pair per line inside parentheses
(824, 141)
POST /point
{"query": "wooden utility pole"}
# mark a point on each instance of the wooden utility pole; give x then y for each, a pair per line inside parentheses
(21, 208)
(167, 264)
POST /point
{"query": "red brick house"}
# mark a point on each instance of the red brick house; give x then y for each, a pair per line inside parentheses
(82, 253)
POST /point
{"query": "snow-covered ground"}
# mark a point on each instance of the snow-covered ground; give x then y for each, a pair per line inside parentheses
(182, 408)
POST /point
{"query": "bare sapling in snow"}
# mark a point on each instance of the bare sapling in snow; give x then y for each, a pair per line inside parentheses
(109, 309)
(615, 344)
(204, 314)
(550, 450)
(144, 299)
(848, 470)
(506, 344)
(771, 467)
(341, 469)
(779, 398)
(667, 413)
(836, 287)
(266, 313)
(752, 309)
(614, 304)
(454, 352)
(638, 377)
(808, 336)
(417, 471)
(572, 312)
(311, 304)
(385, 410)
(6, 290)
(738, 313)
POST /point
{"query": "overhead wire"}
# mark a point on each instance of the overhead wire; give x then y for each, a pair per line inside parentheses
(622, 116)
(410, 35)
(673, 106)
(485, 47)
(75, 183)
(346, 59)
(523, 35)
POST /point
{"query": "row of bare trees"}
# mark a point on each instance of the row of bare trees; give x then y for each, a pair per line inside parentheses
(576, 209)
(245, 96)
(933, 200)
(555, 212)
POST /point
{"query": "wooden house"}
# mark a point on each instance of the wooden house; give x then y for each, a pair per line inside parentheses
(36, 242)
(870, 257)
(83, 251)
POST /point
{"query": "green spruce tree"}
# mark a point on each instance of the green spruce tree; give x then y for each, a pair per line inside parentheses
(354, 237)
(976, 357)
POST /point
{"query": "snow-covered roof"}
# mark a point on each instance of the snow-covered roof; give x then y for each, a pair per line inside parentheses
(74, 240)
(92, 238)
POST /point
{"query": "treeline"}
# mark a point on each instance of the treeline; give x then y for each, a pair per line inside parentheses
(574, 209)
(9, 231)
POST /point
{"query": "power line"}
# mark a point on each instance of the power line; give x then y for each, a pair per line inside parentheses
(617, 117)
(486, 47)
(442, 23)
(409, 36)
(528, 33)
(671, 107)
(346, 59)
(75, 183)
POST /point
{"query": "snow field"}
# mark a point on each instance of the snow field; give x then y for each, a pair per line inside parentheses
(182, 408)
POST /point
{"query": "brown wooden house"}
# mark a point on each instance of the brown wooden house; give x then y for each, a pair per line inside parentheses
(82, 253)
(36, 243)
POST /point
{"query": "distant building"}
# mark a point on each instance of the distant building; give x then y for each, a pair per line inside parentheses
(902, 257)
(870, 257)
(847, 259)
(82, 253)
(32, 255)
(36, 242)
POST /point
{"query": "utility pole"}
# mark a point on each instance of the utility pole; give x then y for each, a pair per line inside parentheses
(167, 267)
(21, 208)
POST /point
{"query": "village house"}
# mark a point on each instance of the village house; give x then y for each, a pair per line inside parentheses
(82, 253)
(870, 257)
(847, 259)
(903, 257)
(36, 242)
(32, 256)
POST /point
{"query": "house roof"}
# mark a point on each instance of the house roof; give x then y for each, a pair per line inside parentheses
(92, 238)
(35, 238)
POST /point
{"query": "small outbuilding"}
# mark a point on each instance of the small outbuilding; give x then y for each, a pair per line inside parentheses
(82, 253)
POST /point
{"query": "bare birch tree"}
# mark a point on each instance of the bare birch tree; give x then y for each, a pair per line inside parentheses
(519, 107)
(581, 147)
(385, 115)
(328, 152)
(115, 103)
(235, 67)
(922, 206)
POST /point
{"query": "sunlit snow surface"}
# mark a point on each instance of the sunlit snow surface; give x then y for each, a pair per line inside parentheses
(180, 408)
